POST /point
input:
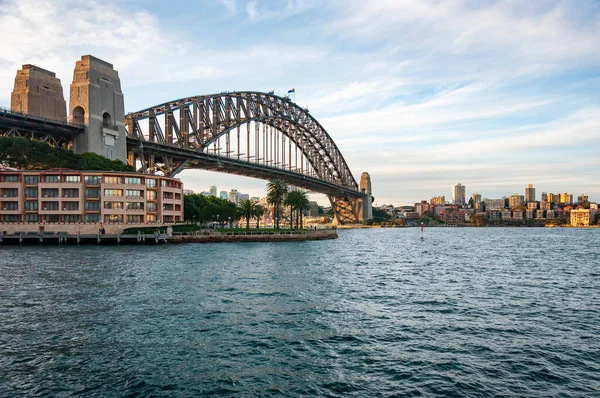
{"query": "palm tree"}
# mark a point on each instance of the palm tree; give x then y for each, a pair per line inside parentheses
(247, 209)
(291, 200)
(276, 191)
(303, 204)
(259, 210)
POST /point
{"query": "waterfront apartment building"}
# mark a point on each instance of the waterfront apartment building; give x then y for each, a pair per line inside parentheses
(494, 204)
(458, 195)
(529, 194)
(581, 217)
(68, 196)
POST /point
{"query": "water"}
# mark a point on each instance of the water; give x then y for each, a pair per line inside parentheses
(462, 312)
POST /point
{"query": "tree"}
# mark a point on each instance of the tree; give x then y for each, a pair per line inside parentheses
(276, 191)
(247, 209)
(471, 203)
(259, 211)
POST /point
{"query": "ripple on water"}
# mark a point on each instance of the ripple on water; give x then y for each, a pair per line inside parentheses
(462, 312)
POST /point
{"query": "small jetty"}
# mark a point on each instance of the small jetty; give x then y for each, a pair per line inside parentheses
(59, 238)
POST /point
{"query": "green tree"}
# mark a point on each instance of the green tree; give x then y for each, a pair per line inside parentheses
(247, 210)
(471, 203)
(259, 211)
(276, 192)
(298, 202)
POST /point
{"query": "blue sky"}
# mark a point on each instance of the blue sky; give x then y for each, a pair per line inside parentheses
(422, 95)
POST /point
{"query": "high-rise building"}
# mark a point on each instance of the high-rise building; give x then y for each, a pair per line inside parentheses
(223, 195)
(583, 198)
(233, 196)
(438, 200)
(476, 200)
(458, 195)
(566, 198)
(213, 191)
(529, 194)
(243, 196)
(544, 197)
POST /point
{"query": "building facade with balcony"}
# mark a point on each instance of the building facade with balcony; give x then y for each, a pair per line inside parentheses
(64, 196)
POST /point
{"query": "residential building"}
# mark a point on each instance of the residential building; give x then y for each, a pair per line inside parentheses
(458, 195)
(223, 195)
(213, 191)
(529, 194)
(539, 213)
(566, 198)
(593, 206)
(494, 203)
(546, 205)
(517, 215)
(530, 213)
(421, 207)
(89, 197)
(554, 198)
(533, 205)
(438, 200)
(476, 200)
(314, 209)
(516, 200)
(506, 214)
(493, 214)
(544, 197)
(580, 217)
(582, 198)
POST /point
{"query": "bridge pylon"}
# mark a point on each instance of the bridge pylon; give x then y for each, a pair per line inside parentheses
(96, 101)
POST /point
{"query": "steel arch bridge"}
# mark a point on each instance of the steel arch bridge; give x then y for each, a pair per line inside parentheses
(248, 133)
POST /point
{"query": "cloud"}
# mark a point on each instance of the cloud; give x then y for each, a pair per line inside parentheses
(231, 5)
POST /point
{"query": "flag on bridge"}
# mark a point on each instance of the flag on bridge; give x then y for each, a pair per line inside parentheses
(272, 92)
(292, 90)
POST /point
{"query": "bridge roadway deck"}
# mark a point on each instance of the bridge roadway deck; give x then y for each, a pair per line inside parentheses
(40, 125)
(203, 160)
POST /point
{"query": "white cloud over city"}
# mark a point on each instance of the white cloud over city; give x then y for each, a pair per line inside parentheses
(422, 95)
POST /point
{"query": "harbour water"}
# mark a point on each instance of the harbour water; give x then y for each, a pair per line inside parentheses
(465, 312)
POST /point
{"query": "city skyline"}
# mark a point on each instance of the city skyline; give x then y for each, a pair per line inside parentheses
(508, 108)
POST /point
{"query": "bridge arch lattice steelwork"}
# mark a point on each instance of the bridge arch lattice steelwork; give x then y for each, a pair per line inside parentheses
(249, 133)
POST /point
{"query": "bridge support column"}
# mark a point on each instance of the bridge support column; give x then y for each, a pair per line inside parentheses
(97, 102)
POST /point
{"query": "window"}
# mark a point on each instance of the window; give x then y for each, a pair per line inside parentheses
(31, 193)
(32, 218)
(51, 179)
(32, 180)
(113, 192)
(72, 178)
(91, 180)
(112, 180)
(135, 219)
(113, 218)
(168, 207)
(150, 183)
(49, 206)
(91, 206)
(92, 193)
(134, 206)
(70, 206)
(133, 180)
(10, 192)
(177, 196)
(151, 218)
(50, 193)
(31, 206)
(92, 218)
(134, 193)
(10, 206)
(113, 205)
(167, 195)
(51, 218)
(150, 195)
(73, 218)
(151, 207)
(11, 218)
(163, 183)
(70, 193)
(10, 178)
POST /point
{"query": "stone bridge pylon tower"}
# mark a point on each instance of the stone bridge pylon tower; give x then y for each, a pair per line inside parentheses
(96, 101)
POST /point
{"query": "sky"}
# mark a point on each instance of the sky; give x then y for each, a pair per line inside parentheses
(423, 95)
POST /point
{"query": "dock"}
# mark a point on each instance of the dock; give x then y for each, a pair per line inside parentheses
(60, 238)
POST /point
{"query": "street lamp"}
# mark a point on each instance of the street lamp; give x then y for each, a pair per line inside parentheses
(276, 224)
